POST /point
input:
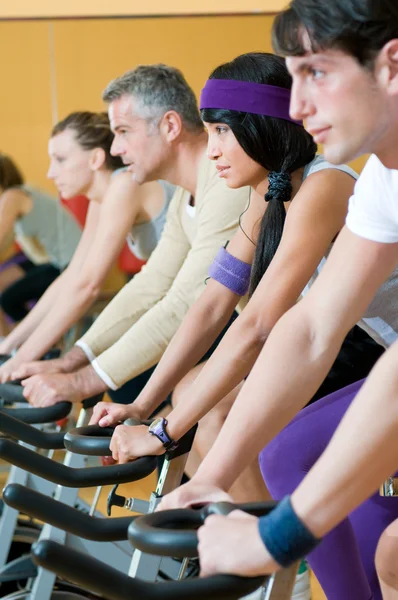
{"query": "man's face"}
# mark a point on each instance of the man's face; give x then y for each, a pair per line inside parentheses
(138, 142)
(344, 105)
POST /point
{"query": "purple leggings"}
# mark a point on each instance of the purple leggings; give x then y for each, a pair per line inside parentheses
(344, 561)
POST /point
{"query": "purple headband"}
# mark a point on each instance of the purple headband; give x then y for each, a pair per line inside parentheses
(244, 96)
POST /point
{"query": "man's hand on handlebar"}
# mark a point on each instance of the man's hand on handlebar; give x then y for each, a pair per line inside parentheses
(131, 442)
(107, 414)
(46, 390)
(233, 545)
(191, 493)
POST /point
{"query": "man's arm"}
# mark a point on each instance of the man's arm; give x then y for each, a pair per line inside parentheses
(179, 271)
(146, 289)
(294, 361)
(365, 443)
(145, 342)
(299, 353)
(139, 295)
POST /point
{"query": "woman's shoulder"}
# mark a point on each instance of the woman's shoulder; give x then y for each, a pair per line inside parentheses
(17, 196)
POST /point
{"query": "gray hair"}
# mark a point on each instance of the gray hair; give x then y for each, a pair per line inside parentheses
(157, 89)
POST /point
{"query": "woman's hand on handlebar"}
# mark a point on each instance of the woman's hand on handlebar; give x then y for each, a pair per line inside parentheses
(191, 493)
(107, 414)
(37, 367)
(131, 442)
(233, 545)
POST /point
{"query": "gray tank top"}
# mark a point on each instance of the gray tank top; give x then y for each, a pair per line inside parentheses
(319, 164)
(49, 232)
(143, 237)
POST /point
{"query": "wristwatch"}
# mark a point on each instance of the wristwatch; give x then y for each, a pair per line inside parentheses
(158, 429)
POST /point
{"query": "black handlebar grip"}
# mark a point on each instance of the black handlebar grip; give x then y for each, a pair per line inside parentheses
(12, 392)
(111, 584)
(65, 517)
(218, 508)
(92, 440)
(30, 435)
(63, 475)
(33, 415)
(157, 532)
(167, 532)
(4, 358)
(257, 509)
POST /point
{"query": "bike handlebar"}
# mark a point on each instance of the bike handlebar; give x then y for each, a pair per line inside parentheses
(173, 532)
(32, 415)
(71, 477)
(65, 517)
(30, 435)
(111, 584)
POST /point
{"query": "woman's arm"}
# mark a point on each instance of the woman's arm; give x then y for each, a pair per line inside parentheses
(14, 203)
(104, 234)
(59, 288)
(35, 316)
(202, 324)
(322, 199)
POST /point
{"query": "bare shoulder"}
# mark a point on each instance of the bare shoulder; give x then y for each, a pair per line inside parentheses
(16, 201)
(122, 180)
(325, 191)
(325, 180)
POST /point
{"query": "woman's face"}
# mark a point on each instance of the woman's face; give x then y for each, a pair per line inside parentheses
(70, 165)
(232, 162)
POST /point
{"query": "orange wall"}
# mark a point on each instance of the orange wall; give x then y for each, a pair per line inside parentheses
(25, 102)
(54, 67)
(74, 8)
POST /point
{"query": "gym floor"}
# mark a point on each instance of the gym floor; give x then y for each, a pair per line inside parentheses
(142, 489)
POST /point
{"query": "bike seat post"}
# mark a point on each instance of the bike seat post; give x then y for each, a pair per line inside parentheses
(174, 465)
(280, 585)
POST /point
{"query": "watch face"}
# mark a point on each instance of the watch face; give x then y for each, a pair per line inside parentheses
(155, 424)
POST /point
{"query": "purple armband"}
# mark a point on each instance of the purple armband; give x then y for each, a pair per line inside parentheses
(231, 272)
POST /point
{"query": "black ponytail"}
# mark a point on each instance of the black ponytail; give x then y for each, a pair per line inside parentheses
(278, 145)
(269, 236)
